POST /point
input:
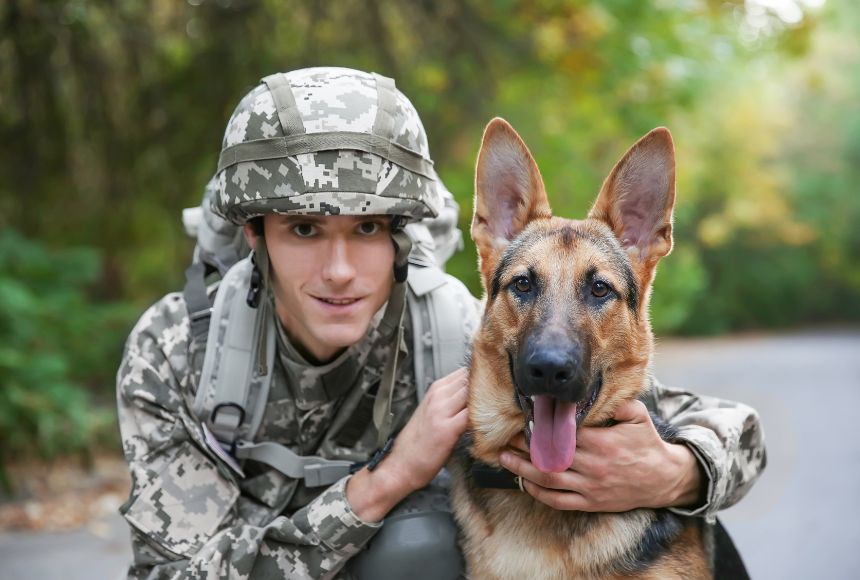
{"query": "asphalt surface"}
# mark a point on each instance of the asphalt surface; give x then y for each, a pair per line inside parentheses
(799, 521)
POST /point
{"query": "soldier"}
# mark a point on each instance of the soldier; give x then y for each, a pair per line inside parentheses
(322, 168)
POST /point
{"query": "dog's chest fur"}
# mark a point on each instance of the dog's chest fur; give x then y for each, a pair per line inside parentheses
(508, 534)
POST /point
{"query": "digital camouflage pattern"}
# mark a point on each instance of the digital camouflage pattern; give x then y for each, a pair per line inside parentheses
(725, 436)
(189, 512)
(346, 182)
(191, 517)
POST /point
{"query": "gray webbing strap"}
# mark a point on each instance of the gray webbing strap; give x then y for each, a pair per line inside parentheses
(449, 343)
(230, 365)
(386, 100)
(435, 299)
(285, 104)
(278, 147)
(316, 471)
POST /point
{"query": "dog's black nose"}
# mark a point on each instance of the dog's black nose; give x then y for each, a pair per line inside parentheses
(551, 371)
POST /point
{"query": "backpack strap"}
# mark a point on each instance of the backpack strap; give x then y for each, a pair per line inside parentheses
(315, 471)
(232, 393)
(197, 300)
(441, 330)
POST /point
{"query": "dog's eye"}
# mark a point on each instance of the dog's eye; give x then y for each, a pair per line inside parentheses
(523, 284)
(599, 289)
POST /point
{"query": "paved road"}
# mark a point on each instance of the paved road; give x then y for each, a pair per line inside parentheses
(799, 521)
(801, 518)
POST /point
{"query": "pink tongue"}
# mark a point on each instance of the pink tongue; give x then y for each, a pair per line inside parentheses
(554, 435)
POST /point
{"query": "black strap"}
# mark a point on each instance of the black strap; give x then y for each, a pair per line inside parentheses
(197, 301)
(487, 476)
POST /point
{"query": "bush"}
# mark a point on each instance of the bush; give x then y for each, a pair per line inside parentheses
(58, 350)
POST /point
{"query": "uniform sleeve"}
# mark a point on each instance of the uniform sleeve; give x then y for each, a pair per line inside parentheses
(727, 439)
(183, 506)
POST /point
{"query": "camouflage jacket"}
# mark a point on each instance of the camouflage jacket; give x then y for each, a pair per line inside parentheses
(190, 516)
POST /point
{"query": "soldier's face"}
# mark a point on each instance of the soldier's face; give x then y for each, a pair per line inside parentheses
(330, 275)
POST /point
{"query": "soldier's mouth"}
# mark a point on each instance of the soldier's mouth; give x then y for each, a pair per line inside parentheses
(338, 301)
(338, 304)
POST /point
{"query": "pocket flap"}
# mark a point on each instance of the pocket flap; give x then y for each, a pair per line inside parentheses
(184, 504)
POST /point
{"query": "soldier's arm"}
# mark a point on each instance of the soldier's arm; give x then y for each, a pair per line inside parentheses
(183, 509)
(726, 437)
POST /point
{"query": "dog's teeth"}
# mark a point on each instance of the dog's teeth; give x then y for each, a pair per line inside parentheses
(532, 398)
(531, 426)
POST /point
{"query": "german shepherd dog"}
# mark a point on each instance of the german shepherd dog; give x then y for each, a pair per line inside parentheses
(565, 338)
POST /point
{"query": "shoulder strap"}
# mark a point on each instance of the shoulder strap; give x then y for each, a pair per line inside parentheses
(233, 390)
(441, 330)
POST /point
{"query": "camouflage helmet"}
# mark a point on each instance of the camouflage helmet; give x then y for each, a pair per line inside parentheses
(325, 141)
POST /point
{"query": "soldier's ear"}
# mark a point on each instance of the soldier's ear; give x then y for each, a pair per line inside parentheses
(250, 235)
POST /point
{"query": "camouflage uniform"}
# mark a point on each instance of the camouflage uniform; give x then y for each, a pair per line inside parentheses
(726, 437)
(190, 515)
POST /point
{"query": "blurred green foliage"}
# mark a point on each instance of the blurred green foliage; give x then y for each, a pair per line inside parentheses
(56, 350)
(111, 116)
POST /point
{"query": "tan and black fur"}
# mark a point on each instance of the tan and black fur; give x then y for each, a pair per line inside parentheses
(508, 534)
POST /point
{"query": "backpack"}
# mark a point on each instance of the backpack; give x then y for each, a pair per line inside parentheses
(238, 340)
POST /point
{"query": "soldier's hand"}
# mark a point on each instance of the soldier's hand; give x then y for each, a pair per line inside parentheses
(424, 445)
(617, 468)
(420, 450)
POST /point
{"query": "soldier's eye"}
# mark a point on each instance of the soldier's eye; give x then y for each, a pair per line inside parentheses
(599, 289)
(304, 230)
(523, 284)
(369, 228)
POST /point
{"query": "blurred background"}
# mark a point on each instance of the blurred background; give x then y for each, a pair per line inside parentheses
(111, 119)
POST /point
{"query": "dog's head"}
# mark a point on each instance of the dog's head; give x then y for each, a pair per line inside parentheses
(565, 335)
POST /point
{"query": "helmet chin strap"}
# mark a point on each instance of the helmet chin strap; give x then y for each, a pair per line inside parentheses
(265, 303)
(391, 327)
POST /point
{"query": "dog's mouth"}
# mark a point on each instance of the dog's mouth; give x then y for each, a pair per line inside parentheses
(550, 425)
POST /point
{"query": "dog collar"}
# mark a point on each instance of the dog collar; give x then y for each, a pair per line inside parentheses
(489, 477)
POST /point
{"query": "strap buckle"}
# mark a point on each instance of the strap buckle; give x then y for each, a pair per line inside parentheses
(318, 474)
(226, 419)
(375, 459)
(199, 314)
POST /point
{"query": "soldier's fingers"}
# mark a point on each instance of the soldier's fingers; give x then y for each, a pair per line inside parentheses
(449, 403)
(633, 411)
(460, 420)
(451, 381)
(565, 480)
(560, 500)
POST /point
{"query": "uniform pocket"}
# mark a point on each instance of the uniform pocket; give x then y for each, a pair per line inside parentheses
(184, 504)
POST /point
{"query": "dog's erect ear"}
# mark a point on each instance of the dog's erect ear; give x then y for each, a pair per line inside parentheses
(637, 198)
(509, 193)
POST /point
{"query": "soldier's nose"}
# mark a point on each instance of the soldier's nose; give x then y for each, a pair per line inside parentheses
(338, 268)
